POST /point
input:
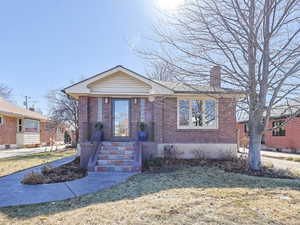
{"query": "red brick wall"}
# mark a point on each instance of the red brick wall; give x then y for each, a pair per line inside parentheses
(83, 119)
(135, 119)
(49, 134)
(170, 134)
(8, 131)
(291, 140)
(163, 112)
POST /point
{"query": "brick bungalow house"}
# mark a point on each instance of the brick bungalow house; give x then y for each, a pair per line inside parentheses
(285, 138)
(20, 127)
(191, 120)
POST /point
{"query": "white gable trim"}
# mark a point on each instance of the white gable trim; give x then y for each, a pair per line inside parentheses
(82, 88)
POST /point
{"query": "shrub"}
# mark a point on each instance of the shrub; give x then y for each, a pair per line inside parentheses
(153, 164)
(48, 174)
(99, 126)
(34, 178)
(143, 126)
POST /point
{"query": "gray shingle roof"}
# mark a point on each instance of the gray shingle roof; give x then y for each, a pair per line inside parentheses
(179, 87)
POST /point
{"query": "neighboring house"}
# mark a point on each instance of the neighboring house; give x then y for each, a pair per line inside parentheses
(20, 127)
(285, 137)
(193, 120)
(56, 134)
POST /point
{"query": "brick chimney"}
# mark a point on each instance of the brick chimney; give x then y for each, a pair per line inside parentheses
(215, 76)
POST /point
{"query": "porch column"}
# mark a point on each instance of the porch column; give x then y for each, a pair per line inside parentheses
(83, 119)
(135, 118)
(158, 119)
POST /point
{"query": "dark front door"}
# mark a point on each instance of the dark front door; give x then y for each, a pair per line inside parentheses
(121, 118)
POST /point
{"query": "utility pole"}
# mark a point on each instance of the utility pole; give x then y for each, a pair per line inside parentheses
(26, 101)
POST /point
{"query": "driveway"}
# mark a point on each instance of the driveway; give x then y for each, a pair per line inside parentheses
(28, 151)
(13, 193)
(267, 156)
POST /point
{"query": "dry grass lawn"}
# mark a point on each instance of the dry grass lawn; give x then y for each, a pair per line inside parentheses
(14, 164)
(197, 195)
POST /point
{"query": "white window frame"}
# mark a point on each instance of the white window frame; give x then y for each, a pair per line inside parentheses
(2, 120)
(190, 126)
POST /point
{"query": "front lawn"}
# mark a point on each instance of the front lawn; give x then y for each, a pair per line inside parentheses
(14, 164)
(194, 195)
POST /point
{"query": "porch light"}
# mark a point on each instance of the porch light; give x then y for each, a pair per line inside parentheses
(106, 100)
(151, 98)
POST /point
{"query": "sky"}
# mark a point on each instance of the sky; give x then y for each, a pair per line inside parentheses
(46, 45)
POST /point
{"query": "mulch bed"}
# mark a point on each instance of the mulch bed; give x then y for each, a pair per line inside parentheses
(67, 172)
(239, 165)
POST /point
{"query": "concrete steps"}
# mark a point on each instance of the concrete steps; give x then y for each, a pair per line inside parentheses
(117, 157)
(118, 168)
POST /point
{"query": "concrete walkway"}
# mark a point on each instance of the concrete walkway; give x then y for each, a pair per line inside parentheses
(13, 193)
(28, 151)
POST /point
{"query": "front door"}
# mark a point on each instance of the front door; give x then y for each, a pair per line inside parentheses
(121, 118)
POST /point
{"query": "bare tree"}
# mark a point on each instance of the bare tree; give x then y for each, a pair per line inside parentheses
(63, 109)
(5, 92)
(256, 42)
(159, 71)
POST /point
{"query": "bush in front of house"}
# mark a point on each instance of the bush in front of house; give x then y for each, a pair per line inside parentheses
(34, 178)
(48, 174)
(236, 165)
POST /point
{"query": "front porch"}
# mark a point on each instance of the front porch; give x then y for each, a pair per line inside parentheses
(120, 117)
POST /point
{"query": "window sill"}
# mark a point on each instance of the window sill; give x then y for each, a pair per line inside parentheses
(196, 129)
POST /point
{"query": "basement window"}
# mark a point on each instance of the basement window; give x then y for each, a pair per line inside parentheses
(197, 114)
(280, 130)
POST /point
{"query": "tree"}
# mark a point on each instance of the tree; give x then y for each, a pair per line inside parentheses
(5, 92)
(64, 109)
(256, 42)
(159, 71)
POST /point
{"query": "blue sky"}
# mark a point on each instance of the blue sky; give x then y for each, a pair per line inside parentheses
(46, 45)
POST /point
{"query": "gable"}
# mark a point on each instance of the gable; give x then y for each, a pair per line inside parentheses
(119, 83)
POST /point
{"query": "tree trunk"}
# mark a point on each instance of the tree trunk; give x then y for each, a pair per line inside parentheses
(254, 149)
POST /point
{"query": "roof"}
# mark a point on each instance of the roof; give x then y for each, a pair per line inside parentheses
(158, 87)
(287, 109)
(180, 87)
(10, 109)
(283, 110)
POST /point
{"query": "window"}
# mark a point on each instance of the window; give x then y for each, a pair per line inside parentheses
(279, 129)
(32, 126)
(142, 110)
(1, 120)
(197, 113)
(20, 125)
